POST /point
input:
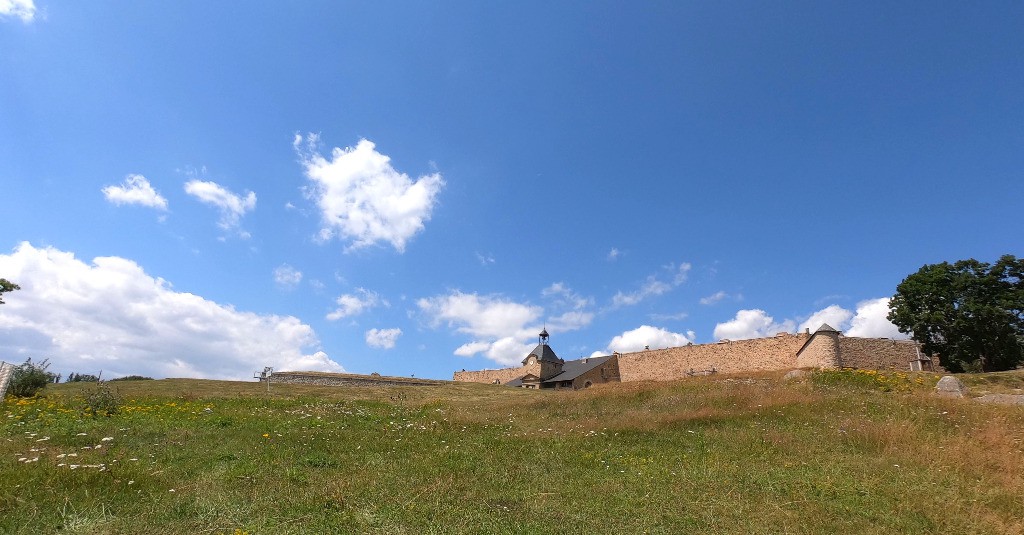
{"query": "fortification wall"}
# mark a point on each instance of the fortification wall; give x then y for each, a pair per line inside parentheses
(877, 353)
(822, 351)
(775, 353)
(325, 379)
(503, 375)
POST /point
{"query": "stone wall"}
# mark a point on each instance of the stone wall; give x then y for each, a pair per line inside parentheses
(822, 351)
(760, 354)
(503, 375)
(344, 379)
(608, 372)
(878, 353)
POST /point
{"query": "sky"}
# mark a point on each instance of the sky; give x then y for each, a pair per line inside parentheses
(202, 189)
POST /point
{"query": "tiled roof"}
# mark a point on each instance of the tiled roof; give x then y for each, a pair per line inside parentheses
(572, 369)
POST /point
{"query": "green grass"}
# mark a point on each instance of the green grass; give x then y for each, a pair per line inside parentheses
(844, 452)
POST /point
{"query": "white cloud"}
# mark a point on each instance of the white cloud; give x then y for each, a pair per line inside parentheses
(111, 316)
(135, 190)
(485, 260)
(834, 315)
(22, 9)
(751, 324)
(498, 325)
(355, 304)
(570, 321)
(870, 321)
(232, 207)
(669, 317)
(363, 198)
(681, 274)
(713, 298)
(564, 297)
(382, 338)
(650, 288)
(653, 286)
(287, 276)
(614, 254)
(647, 336)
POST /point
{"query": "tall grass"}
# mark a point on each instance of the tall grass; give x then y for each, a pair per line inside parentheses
(750, 454)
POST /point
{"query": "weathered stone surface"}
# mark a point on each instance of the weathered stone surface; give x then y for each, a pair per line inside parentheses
(950, 387)
(1002, 399)
(795, 374)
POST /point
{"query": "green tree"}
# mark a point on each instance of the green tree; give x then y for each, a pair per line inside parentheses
(7, 286)
(970, 314)
(29, 378)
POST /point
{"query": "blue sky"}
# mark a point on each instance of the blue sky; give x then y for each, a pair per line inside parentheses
(203, 189)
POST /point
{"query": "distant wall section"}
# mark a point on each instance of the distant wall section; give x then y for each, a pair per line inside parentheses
(501, 376)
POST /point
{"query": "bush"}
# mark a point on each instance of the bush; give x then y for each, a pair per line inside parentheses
(102, 401)
(132, 378)
(29, 378)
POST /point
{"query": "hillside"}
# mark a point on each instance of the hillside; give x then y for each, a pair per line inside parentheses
(843, 452)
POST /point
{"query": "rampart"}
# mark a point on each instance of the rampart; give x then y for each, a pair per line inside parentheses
(501, 376)
(760, 354)
(347, 379)
(878, 354)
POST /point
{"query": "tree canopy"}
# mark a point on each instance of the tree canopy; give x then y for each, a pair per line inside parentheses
(970, 313)
(7, 286)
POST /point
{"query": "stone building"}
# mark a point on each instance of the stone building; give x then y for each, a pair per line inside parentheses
(543, 369)
(826, 348)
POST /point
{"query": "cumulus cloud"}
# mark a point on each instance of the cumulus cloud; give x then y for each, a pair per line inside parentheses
(134, 190)
(868, 321)
(22, 9)
(112, 316)
(287, 276)
(834, 315)
(751, 324)
(382, 338)
(362, 198)
(653, 286)
(871, 321)
(497, 325)
(646, 336)
(355, 304)
(231, 206)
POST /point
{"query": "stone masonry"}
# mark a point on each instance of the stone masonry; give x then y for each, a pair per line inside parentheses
(5, 377)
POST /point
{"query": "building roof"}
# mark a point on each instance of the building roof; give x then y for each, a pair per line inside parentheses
(572, 369)
(544, 353)
(826, 328)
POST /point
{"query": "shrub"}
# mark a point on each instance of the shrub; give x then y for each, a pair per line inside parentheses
(82, 378)
(102, 401)
(132, 378)
(29, 378)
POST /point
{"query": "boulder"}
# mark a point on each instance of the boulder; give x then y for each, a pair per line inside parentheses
(950, 387)
(1002, 399)
(795, 374)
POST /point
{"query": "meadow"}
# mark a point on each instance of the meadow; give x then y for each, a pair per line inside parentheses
(838, 452)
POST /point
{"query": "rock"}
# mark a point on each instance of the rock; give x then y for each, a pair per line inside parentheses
(950, 387)
(1002, 399)
(795, 374)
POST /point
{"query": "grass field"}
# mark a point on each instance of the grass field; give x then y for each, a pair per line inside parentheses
(842, 452)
